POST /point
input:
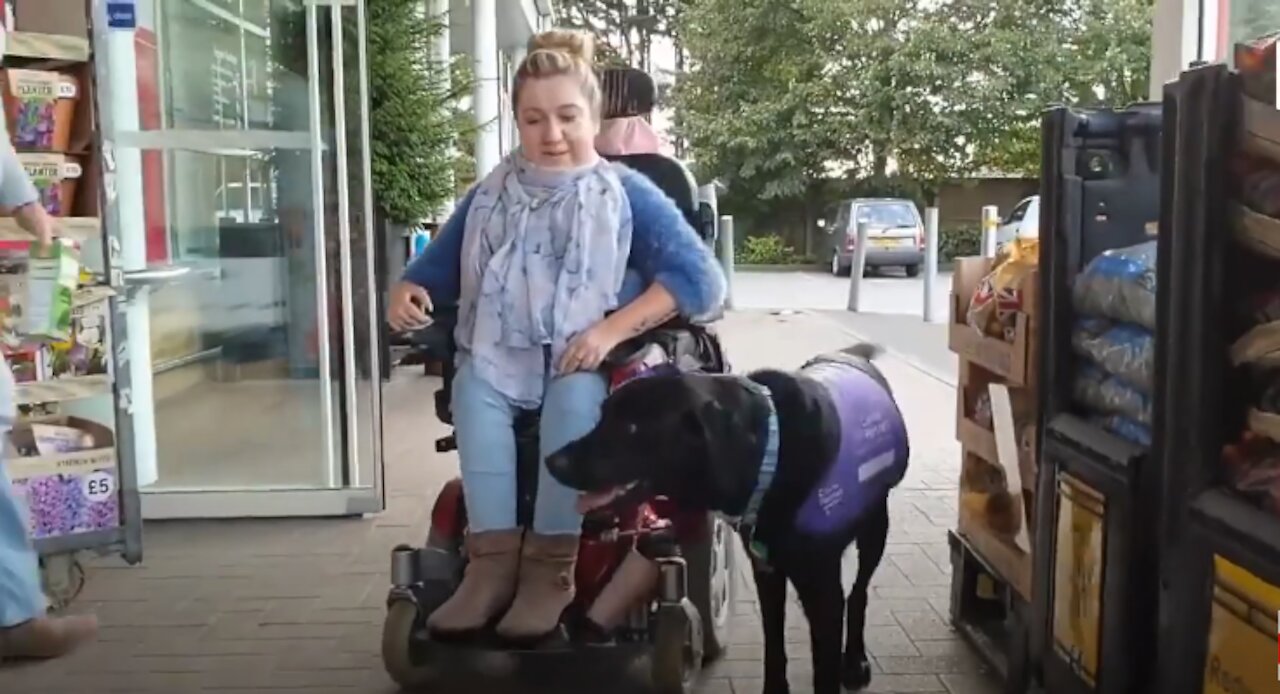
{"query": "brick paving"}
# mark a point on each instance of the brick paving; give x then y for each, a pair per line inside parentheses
(273, 605)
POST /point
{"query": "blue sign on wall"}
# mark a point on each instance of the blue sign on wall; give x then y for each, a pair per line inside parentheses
(122, 14)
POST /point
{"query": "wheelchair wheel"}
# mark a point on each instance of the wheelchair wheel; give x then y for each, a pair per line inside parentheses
(711, 585)
(677, 648)
(403, 619)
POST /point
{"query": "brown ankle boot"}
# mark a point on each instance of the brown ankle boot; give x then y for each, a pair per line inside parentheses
(546, 586)
(488, 583)
(47, 637)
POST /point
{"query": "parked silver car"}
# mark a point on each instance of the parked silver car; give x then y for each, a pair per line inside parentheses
(895, 234)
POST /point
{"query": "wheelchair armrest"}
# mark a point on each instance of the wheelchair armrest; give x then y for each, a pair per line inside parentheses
(678, 338)
(437, 339)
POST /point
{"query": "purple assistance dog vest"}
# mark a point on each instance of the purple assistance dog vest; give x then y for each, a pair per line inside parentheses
(873, 452)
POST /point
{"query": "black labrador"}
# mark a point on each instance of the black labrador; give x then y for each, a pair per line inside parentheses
(702, 440)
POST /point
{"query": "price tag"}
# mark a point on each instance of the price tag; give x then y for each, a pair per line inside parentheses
(98, 486)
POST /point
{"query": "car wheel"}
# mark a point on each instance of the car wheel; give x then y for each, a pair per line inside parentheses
(836, 269)
(913, 270)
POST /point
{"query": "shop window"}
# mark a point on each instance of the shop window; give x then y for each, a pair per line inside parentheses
(1242, 20)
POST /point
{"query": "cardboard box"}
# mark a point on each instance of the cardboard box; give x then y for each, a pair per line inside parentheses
(1011, 564)
(1014, 361)
(62, 17)
(67, 493)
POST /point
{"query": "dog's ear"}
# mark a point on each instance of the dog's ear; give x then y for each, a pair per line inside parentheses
(723, 439)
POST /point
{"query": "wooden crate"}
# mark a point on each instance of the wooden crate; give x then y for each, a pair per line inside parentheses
(1012, 361)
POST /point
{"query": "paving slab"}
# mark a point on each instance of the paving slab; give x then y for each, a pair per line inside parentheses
(297, 604)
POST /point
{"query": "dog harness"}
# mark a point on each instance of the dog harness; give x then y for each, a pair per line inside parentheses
(870, 460)
(873, 451)
(764, 478)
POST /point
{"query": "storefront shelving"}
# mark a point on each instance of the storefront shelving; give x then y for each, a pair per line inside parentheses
(87, 498)
(1220, 558)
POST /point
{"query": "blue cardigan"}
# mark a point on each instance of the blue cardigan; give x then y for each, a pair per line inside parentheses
(664, 249)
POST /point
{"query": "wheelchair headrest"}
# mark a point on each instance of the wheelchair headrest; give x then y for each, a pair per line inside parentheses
(627, 92)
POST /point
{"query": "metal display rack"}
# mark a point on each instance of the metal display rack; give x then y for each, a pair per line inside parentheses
(101, 400)
(1220, 567)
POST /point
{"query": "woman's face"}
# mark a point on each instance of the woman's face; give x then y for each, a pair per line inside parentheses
(557, 126)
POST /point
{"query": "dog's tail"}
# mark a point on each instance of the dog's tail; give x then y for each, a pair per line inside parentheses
(865, 350)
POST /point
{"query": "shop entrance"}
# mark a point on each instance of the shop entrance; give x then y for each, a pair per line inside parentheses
(244, 221)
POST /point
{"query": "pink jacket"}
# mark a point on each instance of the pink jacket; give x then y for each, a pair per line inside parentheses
(621, 136)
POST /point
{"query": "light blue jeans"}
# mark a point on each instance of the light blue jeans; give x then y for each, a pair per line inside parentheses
(483, 421)
(21, 598)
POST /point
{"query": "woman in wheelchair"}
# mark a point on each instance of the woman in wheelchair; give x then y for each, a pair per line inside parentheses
(553, 259)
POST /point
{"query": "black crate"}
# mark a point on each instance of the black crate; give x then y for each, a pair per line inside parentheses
(1100, 189)
(1205, 400)
(1094, 473)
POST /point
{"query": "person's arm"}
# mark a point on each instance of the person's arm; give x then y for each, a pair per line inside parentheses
(438, 268)
(19, 194)
(670, 256)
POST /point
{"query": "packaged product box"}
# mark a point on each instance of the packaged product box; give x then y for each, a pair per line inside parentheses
(52, 277)
(64, 470)
(39, 108)
(60, 17)
(56, 177)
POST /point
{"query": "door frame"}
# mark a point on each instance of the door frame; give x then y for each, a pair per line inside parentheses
(355, 479)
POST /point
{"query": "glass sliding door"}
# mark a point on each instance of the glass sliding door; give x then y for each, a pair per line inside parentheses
(253, 130)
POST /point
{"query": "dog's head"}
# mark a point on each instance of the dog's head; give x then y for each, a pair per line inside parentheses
(687, 437)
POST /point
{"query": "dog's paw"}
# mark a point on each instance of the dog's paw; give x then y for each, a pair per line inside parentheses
(857, 675)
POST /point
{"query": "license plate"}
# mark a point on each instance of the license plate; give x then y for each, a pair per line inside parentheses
(886, 243)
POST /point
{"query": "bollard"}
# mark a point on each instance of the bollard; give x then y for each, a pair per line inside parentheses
(990, 223)
(857, 268)
(930, 261)
(726, 258)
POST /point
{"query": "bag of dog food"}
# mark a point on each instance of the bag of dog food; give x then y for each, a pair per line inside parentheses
(1125, 428)
(1123, 350)
(1101, 394)
(1256, 60)
(1253, 469)
(1119, 284)
(1259, 185)
(998, 300)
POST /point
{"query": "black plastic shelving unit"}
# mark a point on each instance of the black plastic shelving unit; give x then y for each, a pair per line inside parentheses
(1202, 518)
(1100, 190)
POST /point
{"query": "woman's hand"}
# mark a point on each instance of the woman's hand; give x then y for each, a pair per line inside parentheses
(38, 222)
(408, 307)
(587, 350)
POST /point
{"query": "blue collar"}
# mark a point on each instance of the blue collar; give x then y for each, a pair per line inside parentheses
(769, 465)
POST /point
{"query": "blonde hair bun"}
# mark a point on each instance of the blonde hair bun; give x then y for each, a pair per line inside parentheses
(573, 43)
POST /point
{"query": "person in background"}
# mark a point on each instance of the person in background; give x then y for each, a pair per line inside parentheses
(26, 629)
(554, 258)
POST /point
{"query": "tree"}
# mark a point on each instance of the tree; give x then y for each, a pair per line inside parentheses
(757, 107)
(412, 111)
(626, 29)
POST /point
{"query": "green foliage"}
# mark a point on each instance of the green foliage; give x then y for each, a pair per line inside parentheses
(413, 120)
(780, 92)
(624, 29)
(770, 249)
(959, 243)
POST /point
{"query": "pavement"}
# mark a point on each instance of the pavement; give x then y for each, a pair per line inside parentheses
(279, 605)
(892, 310)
